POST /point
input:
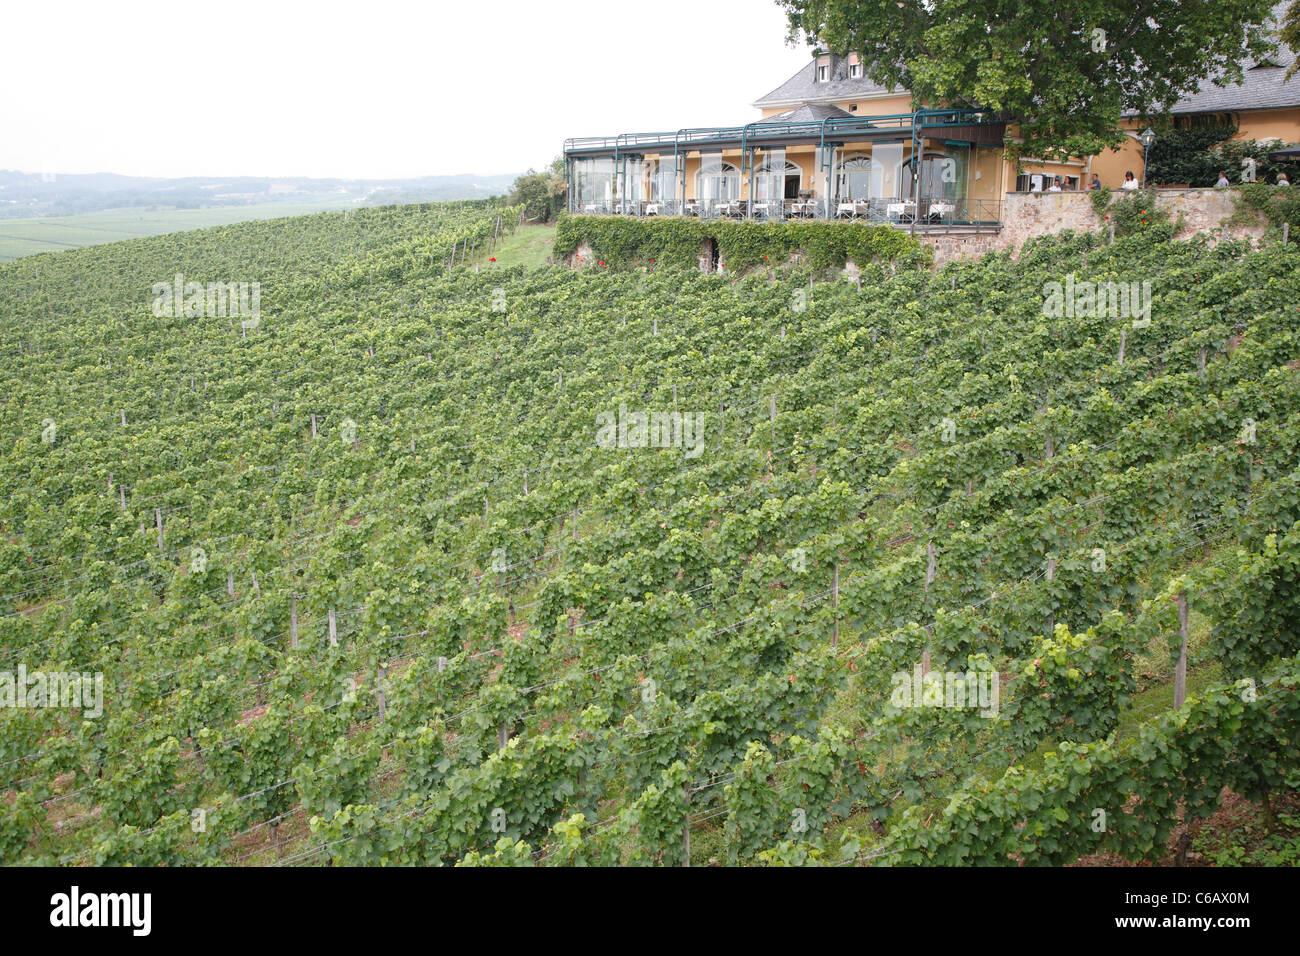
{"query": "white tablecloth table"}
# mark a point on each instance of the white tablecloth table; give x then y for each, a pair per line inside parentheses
(937, 209)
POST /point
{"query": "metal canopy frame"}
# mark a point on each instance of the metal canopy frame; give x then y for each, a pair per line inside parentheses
(826, 135)
(804, 132)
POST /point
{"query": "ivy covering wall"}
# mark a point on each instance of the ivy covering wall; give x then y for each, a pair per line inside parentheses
(1133, 212)
(1277, 205)
(624, 242)
(1195, 157)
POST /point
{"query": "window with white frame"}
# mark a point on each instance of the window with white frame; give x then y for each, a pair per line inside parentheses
(860, 177)
(777, 178)
(855, 71)
(823, 74)
(717, 181)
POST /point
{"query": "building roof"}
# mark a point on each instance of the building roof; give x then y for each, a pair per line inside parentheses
(804, 88)
(1263, 84)
(809, 113)
(1263, 87)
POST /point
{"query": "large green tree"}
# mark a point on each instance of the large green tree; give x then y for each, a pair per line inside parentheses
(541, 194)
(1290, 34)
(1063, 70)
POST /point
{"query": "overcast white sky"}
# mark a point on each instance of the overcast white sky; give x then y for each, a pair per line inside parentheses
(373, 89)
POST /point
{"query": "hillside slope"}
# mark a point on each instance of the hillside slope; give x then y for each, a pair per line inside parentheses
(396, 575)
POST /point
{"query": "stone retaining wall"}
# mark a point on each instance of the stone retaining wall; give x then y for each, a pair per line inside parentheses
(1029, 215)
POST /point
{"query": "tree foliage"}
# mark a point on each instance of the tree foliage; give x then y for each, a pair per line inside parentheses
(542, 195)
(1290, 34)
(1063, 73)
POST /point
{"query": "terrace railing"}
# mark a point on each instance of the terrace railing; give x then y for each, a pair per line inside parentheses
(933, 215)
(766, 131)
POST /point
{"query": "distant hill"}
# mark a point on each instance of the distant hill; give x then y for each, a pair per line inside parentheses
(27, 195)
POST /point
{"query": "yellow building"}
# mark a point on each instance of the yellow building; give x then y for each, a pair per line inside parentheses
(1265, 106)
(829, 143)
(810, 161)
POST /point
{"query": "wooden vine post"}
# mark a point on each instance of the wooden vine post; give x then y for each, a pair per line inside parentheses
(929, 579)
(771, 405)
(835, 600)
(1180, 671)
(1051, 576)
(686, 829)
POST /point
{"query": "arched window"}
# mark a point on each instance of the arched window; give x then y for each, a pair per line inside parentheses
(861, 177)
(777, 180)
(717, 181)
(663, 180)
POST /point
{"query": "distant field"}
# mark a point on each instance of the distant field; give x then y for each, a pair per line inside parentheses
(25, 237)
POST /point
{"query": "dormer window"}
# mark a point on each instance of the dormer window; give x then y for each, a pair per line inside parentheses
(855, 71)
(823, 74)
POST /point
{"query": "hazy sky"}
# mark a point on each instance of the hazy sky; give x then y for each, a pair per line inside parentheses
(373, 89)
